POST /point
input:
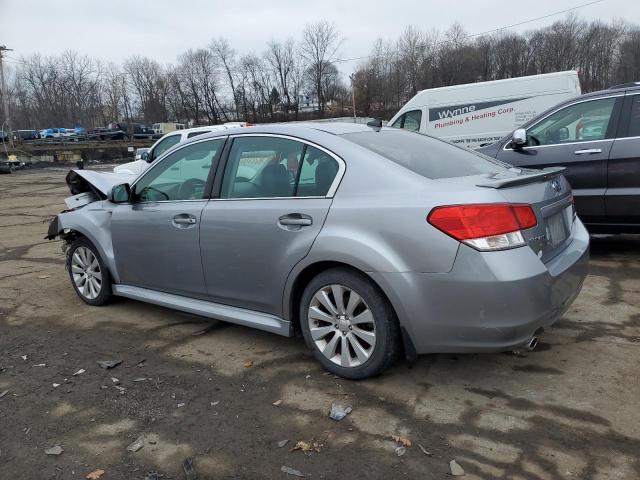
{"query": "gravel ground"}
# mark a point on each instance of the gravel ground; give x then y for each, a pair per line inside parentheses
(568, 410)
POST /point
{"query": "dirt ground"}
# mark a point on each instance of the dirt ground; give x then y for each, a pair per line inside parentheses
(571, 409)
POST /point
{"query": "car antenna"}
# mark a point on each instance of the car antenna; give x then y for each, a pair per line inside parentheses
(375, 123)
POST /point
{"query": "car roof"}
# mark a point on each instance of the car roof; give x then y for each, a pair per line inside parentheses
(294, 129)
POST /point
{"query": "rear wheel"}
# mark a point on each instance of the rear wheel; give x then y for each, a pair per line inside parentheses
(89, 275)
(349, 324)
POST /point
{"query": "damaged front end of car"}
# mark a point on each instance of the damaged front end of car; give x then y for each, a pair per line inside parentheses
(88, 212)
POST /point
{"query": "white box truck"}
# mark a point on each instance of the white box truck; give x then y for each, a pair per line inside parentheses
(479, 113)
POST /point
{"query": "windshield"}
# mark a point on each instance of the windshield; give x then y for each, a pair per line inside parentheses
(425, 155)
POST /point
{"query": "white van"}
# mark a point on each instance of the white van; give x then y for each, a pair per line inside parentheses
(479, 113)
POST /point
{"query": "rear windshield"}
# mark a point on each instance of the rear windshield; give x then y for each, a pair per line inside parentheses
(424, 155)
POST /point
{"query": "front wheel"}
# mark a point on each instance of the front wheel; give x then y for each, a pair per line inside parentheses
(349, 324)
(89, 276)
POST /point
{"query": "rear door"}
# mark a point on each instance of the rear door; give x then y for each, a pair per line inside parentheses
(622, 200)
(272, 201)
(579, 137)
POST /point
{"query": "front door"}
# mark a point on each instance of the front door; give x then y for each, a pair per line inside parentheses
(623, 188)
(578, 137)
(156, 237)
(274, 197)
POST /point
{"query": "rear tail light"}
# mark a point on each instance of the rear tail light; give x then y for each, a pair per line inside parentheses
(485, 226)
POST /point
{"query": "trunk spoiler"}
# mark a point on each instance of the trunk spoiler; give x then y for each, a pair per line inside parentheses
(520, 177)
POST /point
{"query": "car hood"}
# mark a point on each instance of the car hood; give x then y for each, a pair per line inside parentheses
(100, 183)
(132, 168)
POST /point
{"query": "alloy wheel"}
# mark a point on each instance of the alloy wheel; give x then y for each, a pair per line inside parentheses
(86, 273)
(341, 325)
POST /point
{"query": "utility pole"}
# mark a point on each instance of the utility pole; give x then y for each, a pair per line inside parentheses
(353, 95)
(5, 94)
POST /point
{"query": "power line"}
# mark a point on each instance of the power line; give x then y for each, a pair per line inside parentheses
(566, 10)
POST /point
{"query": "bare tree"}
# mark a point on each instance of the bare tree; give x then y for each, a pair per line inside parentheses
(281, 58)
(320, 44)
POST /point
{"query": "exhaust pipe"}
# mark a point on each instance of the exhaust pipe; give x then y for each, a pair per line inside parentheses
(531, 344)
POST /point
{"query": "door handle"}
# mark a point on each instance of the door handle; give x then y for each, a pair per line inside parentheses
(302, 222)
(295, 221)
(184, 219)
(588, 151)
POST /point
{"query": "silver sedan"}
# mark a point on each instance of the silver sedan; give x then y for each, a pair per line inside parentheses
(371, 242)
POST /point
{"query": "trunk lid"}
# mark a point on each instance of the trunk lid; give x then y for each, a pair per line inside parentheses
(549, 194)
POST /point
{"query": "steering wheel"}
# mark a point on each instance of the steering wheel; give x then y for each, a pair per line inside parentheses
(188, 188)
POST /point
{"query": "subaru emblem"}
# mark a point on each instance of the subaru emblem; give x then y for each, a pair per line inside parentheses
(555, 184)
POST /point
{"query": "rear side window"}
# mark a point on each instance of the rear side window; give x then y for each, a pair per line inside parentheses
(424, 155)
(195, 134)
(317, 173)
(409, 121)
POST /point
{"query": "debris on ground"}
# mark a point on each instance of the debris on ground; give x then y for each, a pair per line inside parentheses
(140, 379)
(43, 277)
(308, 447)
(291, 471)
(456, 469)
(282, 443)
(338, 412)
(95, 475)
(277, 403)
(424, 450)
(213, 404)
(400, 450)
(189, 469)
(115, 380)
(56, 450)
(120, 389)
(106, 364)
(180, 405)
(55, 385)
(4, 393)
(137, 444)
(23, 357)
(248, 364)
(40, 365)
(79, 372)
(401, 439)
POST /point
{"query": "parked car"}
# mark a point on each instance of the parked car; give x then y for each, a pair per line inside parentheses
(162, 145)
(597, 138)
(167, 127)
(52, 132)
(22, 135)
(483, 112)
(367, 240)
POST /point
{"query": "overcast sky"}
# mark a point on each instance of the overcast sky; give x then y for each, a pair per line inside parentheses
(113, 30)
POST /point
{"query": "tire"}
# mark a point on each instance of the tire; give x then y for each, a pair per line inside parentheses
(371, 345)
(95, 289)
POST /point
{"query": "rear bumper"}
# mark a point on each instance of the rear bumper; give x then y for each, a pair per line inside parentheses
(489, 301)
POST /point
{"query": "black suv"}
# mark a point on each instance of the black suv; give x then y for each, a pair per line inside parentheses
(597, 138)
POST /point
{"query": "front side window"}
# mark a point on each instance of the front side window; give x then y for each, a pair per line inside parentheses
(182, 175)
(165, 144)
(582, 122)
(409, 121)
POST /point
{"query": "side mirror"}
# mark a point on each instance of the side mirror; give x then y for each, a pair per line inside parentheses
(120, 193)
(146, 157)
(519, 138)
